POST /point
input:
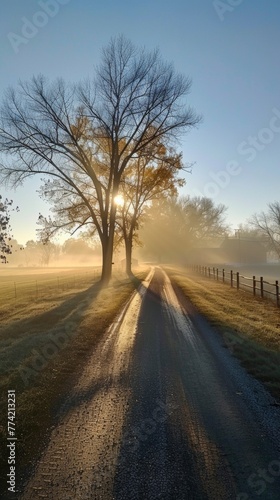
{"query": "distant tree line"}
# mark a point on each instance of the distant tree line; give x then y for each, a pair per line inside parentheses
(73, 252)
(175, 226)
(168, 229)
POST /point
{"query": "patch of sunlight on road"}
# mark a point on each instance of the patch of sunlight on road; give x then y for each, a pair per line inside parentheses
(128, 319)
(175, 312)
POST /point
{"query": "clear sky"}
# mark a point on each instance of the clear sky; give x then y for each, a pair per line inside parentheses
(229, 48)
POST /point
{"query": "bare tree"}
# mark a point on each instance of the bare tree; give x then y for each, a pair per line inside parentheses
(203, 220)
(87, 134)
(268, 225)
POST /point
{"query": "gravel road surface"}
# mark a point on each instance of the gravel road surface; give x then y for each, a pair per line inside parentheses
(162, 411)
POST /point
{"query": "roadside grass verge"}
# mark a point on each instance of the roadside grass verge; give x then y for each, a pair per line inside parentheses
(250, 327)
(43, 350)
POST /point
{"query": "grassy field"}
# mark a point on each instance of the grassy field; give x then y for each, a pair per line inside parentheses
(18, 286)
(250, 326)
(45, 342)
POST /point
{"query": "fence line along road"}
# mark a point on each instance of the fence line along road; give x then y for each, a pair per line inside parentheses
(259, 286)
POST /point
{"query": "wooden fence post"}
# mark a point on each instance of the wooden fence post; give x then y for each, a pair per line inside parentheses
(261, 279)
(231, 278)
(217, 274)
(209, 272)
(254, 285)
(277, 292)
(223, 275)
(237, 280)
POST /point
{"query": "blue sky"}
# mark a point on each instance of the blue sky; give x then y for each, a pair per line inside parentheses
(229, 48)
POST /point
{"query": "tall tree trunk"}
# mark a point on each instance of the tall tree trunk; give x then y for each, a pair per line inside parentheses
(108, 249)
(107, 257)
(128, 254)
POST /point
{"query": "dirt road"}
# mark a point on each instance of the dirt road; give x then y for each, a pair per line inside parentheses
(162, 411)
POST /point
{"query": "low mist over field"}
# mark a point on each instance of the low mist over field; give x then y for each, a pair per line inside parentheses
(73, 252)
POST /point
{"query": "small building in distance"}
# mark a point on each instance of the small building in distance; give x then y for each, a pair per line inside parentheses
(230, 251)
(244, 251)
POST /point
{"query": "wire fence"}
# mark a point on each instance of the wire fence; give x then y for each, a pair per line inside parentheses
(41, 287)
(258, 286)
